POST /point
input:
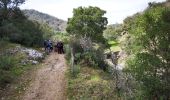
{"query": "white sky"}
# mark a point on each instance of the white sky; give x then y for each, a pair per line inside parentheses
(117, 10)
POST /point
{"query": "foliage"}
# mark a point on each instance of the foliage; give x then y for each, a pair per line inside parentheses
(25, 32)
(7, 63)
(8, 7)
(17, 28)
(87, 22)
(112, 32)
(92, 59)
(149, 62)
(86, 26)
(61, 36)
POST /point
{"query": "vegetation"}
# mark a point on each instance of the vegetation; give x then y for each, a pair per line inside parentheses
(146, 38)
(112, 32)
(146, 43)
(91, 84)
(87, 22)
(22, 30)
(10, 66)
(16, 30)
(149, 49)
(61, 36)
(86, 29)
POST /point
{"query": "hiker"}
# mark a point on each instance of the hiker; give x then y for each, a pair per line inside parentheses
(60, 47)
(45, 44)
(49, 45)
(56, 47)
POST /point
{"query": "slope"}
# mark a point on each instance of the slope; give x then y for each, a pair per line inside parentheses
(53, 22)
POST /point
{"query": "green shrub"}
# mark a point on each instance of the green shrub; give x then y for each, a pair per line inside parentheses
(25, 32)
(7, 63)
(76, 70)
(94, 58)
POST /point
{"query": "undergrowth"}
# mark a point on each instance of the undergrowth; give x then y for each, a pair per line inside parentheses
(90, 84)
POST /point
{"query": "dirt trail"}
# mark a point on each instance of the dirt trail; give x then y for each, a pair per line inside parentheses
(50, 82)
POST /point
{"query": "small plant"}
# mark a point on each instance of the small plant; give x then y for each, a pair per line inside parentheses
(7, 63)
(76, 70)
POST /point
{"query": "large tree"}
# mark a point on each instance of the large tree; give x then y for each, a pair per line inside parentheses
(87, 22)
(9, 7)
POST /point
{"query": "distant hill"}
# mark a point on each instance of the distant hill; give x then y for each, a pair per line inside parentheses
(53, 22)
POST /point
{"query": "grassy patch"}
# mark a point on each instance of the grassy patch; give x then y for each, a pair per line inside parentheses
(114, 46)
(113, 43)
(90, 84)
(11, 64)
(6, 45)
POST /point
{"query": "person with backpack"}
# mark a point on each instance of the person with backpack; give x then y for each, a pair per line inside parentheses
(59, 47)
(49, 46)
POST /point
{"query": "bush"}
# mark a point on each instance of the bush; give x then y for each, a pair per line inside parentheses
(94, 58)
(76, 70)
(25, 32)
(6, 65)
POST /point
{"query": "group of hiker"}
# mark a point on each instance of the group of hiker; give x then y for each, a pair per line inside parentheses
(56, 46)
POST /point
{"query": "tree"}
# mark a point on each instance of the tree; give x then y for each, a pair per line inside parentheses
(8, 6)
(150, 61)
(87, 22)
(86, 26)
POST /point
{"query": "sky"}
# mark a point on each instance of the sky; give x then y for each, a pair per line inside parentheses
(117, 10)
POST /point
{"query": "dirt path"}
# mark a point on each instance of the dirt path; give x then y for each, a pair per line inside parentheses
(50, 82)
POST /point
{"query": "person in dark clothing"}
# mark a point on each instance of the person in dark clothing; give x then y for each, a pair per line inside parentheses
(49, 46)
(60, 47)
(56, 47)
(45, 44)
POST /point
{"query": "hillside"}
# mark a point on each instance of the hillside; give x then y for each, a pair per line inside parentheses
(55, 23)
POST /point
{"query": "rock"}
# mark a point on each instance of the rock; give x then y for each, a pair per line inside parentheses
(24, 62)
(33, 62)
(33, 54)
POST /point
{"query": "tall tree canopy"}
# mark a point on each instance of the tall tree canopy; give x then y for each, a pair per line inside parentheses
(9, 7)
(87, 21)
(10, 4)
